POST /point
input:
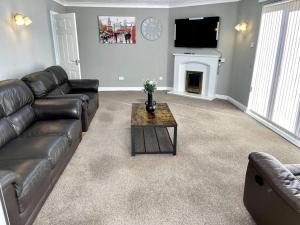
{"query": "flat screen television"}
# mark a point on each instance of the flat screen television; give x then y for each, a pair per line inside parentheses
(197, 32)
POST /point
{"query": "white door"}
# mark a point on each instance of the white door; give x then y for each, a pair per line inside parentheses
(66, 43)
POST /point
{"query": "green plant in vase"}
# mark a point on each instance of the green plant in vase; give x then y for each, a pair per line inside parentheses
(149, 87)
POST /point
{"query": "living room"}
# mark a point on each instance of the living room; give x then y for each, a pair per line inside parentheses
(149, 112)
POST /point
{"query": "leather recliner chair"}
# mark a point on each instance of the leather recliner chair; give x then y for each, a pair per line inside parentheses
(54, 83)
(272, 191)
(37, 140)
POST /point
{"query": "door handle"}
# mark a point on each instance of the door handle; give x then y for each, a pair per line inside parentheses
(76, 61)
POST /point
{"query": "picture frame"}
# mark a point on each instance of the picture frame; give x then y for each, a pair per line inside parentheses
(117, 29)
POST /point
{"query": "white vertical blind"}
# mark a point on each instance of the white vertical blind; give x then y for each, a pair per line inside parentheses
(265, 61)
(286, 105)
(275, 93)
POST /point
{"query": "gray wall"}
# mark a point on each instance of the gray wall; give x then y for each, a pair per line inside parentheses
(228, 16)
(25, 49)
(242, 64)
(150, 59)
(106, 62)
(243, 59)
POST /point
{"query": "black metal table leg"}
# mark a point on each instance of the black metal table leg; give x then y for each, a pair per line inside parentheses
(175, 141)
(132, 141)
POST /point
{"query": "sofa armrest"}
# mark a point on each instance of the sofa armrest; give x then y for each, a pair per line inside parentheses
(84, 85)
(294, 168)
(281, 180)
(49, 109)
(9, 178)
(81, 97)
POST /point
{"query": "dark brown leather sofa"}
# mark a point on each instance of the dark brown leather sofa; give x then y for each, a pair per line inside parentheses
(38, 137)
(272, 191)
(54, 83)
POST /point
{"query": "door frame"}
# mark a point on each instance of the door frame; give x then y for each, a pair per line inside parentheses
(52, 13)
(55, 44)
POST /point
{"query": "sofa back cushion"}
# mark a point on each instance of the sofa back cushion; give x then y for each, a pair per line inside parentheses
(41, 83)
(65, 88)
(14, 95)
(61, 78)
(22, 119)
(16, 113)
(7, 132)
(55, 92)
(59, 74)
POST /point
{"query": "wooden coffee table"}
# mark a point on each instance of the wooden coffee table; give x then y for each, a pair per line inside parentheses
(149, 133)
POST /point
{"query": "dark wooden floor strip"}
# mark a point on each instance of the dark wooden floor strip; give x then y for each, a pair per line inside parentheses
(165, 143)
(139, 140)
(151, 143)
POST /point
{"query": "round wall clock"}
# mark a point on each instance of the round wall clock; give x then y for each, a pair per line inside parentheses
(151, 29)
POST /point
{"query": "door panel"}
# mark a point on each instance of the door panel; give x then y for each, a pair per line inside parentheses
(66, 43)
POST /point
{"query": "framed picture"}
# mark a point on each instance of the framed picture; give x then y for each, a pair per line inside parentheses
(117, 30)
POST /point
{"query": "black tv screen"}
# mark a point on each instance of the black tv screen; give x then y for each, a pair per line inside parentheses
(197, 32)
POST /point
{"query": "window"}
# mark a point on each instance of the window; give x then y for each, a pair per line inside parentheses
(275, 89)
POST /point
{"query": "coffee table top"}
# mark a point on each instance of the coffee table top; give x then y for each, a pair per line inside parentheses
(162, 116)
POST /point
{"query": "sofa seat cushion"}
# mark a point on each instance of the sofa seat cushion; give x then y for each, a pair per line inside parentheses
(43, 147)
(32, 172)
(70, 128)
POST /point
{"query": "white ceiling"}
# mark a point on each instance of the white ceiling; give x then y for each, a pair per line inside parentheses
(139, 3)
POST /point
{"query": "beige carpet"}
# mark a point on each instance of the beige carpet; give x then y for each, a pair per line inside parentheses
(202, 185)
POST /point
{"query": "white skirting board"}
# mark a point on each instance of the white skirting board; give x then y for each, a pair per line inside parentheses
(190, 95)
(131, 88)
(233, 101)
(224, 97)
(276, 129)
(264, 122)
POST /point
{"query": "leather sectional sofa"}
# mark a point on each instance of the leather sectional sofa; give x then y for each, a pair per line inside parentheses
(38, 138)
(272, 191)
(54, 83)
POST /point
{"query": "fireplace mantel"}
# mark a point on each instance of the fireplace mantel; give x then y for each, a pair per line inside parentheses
(206, 54)
(207, 63)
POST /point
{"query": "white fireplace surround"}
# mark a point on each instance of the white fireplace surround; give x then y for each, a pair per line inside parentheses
(205, 63)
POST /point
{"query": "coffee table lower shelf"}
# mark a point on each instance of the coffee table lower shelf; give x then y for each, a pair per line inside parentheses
(152, 140)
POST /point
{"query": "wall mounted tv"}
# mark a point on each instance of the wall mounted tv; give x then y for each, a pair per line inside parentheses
(200, 32)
